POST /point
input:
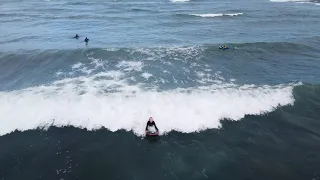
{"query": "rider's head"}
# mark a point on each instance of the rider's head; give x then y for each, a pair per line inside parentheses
(150, 119)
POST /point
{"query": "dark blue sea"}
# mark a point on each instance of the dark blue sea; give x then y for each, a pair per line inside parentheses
(71, 110)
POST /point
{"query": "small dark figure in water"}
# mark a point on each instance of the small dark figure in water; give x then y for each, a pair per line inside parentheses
(86, 40)
(76, 36)
(224, 47)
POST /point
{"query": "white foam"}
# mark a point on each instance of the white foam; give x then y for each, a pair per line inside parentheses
(146, 75)
(59, 73)
(285, 0)
(106, 99)
(77, 65)
(96, 62)
(179, 0)
(152, 129)
(296, 1)
(308, 2)
(81, 68)
(130, 65)
(165, 71)
(217, 15)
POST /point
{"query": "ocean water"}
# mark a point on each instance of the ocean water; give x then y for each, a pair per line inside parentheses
(70, 110)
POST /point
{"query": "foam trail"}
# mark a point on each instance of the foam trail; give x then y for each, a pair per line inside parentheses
(308, 2)
(105, 99)
(287, 1)
(297, 1)
(217, 15)
(130, 65)
(146, 75)
(179, 0)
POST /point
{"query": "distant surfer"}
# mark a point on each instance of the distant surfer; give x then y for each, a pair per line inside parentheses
(224, 47)
(151, 128)
(76, 36)
(86, 40)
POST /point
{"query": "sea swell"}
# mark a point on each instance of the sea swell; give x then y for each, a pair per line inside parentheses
(186, 89)
(168, 67)
(250, 111)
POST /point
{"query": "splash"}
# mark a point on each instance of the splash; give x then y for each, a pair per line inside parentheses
(217, 15)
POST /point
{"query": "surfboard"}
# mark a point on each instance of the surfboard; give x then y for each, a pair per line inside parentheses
(148, 133)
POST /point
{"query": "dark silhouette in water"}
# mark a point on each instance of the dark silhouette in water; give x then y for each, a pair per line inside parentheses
(86, 40)
(76, 36)
(224, 47)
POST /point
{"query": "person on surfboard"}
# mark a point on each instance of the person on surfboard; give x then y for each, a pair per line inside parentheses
(150, 124)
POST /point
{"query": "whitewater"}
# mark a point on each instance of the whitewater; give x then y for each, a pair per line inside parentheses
(217, 14)
(107, 99)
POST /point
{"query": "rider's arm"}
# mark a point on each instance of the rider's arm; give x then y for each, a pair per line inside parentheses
(155, 126)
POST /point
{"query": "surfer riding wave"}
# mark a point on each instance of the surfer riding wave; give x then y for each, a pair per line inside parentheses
(151, 127)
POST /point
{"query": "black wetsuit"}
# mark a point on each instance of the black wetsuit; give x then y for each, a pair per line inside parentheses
(151, 124)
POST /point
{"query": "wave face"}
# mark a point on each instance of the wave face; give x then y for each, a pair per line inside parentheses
(183, 88)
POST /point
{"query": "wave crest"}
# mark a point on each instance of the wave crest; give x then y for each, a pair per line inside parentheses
(179, 0)
(217, 15)
(107, 100)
